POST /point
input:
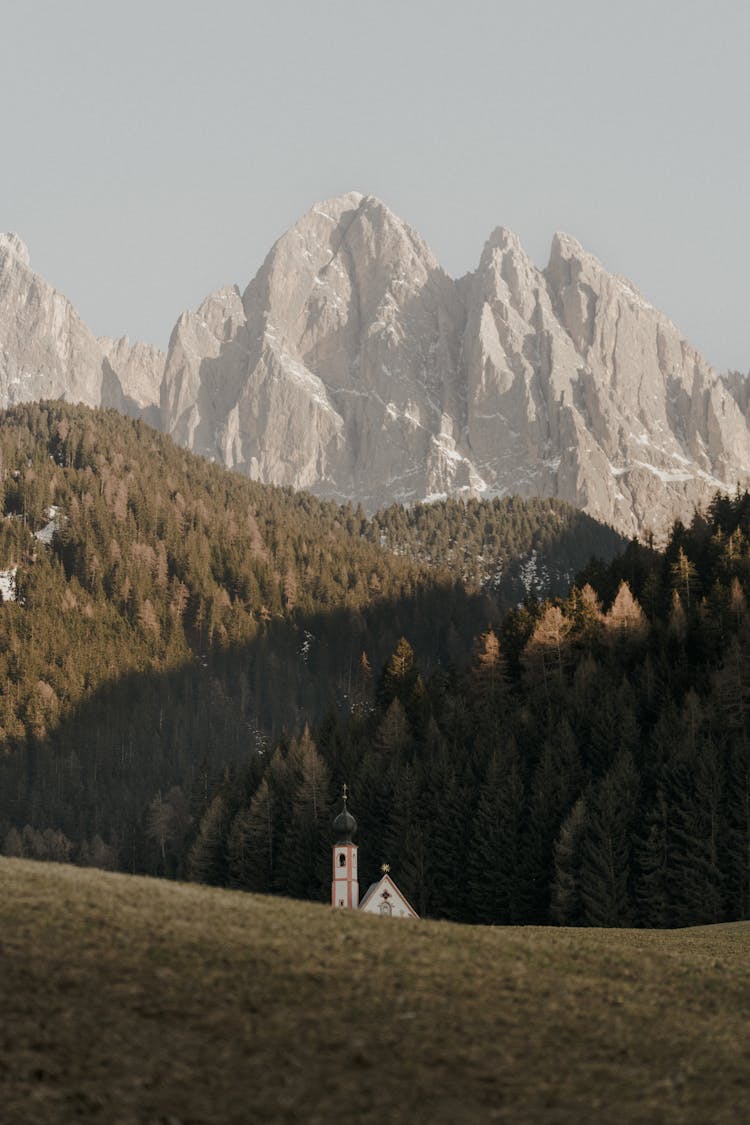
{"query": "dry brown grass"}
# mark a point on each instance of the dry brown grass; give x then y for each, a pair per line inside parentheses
(135, 1000)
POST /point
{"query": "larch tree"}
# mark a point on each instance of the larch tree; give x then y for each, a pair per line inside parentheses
(625, 616)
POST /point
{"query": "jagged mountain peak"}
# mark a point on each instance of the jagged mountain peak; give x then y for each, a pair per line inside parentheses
(46, 351)
(336, 205)
(349, 225)
(502, 239)
(14, 245)
(343, 209)
(570, 263)
(340, 207)
(504, 257)
(566, 246)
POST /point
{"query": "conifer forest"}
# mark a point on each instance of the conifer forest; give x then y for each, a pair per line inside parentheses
(537, 721)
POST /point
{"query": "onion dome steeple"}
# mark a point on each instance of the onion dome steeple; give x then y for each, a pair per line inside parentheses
(344, 885)
(344, 824)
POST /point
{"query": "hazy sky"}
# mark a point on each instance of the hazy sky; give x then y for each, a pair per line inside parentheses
(154, 151)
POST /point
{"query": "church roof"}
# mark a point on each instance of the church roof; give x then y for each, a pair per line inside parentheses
(375, 891)
(344, 826)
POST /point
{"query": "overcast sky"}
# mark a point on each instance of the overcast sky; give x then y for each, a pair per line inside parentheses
(154, 151)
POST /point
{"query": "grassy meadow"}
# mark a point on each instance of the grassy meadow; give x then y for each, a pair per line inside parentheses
(133, 1000)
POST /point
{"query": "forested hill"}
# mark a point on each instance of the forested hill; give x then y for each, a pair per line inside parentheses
(589, 766)
(517, 548)
(163, 617)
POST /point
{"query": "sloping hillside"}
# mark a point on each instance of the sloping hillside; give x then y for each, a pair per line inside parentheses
(175, 615)
(516, 548)
(137, 1000)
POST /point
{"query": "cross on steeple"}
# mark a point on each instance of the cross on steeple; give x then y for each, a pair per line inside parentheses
(344, 791)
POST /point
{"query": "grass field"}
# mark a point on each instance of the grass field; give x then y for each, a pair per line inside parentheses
(135, 1000)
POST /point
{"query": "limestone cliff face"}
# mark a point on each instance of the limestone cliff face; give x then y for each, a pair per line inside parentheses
(46, 351)
(138, 369)
(333, 370)
(353, 366)
(665, 426)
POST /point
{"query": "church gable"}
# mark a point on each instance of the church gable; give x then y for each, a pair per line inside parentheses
(386, 899)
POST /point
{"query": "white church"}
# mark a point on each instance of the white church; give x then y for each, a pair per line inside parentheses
(382, 898)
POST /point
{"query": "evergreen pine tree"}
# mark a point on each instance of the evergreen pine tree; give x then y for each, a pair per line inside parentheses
(605, 867)
(495, 868)
(449, 815)
(566, 908)
(250, 849)
(405, 844)
(554, 787)
(652, 862)
(695, 830)
(306, 850)
(207, 862)
(738, 831)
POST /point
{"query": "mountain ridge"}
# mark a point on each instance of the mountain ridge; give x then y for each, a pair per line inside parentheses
(47, 351)
(354, 366)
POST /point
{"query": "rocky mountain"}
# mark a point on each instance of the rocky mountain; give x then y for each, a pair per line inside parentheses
(353, 366)
(138, 368)
(46, 350)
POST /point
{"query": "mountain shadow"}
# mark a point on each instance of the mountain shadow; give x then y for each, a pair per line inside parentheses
(140, 734)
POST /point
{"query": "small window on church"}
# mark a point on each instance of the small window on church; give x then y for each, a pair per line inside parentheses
(342, 860)
(341, 902)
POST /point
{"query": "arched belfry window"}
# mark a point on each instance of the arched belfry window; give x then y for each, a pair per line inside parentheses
(342, 859)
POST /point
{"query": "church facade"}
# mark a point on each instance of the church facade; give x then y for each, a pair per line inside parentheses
(383, 898)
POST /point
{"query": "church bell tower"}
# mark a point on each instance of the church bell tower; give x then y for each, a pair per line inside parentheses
(344, 885)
